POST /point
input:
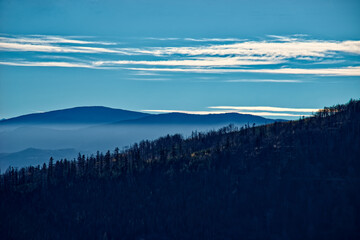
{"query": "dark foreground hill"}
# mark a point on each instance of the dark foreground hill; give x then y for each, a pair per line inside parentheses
(288, 180)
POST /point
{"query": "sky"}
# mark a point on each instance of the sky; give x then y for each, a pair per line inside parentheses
(277, 59)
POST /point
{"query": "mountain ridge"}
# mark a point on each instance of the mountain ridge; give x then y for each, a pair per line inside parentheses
(76, 115)
(105, 115)
(91, 128)
(184, 118)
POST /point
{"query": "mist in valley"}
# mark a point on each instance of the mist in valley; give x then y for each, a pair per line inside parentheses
(65, 141)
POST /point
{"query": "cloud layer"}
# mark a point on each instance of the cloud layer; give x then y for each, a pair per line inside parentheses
(275, 55)
(256, 113)
(269, 109)
(265, 111)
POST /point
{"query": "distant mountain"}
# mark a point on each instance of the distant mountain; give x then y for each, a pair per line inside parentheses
(33, 156)
(77, 115)
(88, 129)
(104, 115)
(194, 119)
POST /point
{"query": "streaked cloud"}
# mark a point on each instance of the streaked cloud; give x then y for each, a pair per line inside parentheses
(145, 73)
(279, 49)
(276, 55)
(284, 47)
(149, 79)
(265, 111)
(199, 62)
(345, 71)
(54, 44)
(274, 114)
(268, 109)
(188, 112)
(263, 81)
(215, 39)
(199, 39)
(44, 39)
(48, 64)
(27, 47)
(163, 39)
(268, 114)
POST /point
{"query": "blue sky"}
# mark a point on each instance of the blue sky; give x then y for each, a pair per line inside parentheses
(278, 59)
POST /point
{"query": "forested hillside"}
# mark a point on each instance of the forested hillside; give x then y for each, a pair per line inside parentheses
(285, 180)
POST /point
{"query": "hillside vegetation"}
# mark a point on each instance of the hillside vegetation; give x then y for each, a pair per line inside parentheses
(285, 180)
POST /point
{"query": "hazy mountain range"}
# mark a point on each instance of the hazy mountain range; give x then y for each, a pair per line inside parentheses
(77, 115)
(33, 138)
(103, 115)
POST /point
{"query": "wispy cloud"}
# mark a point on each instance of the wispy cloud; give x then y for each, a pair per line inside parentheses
(198, 39)
(199, 62)
(163, 39)
(145, 73)
(265, 111)
(26, 47)
(46, 39)
(215, 39)
(268, 114)
(279, 49)
(150, 79)
(265, 108)
(48, 64)
(345, 71)
(262, 81)
(294, 55)
(54, 44)
(284, 47)
(274, 114)
(187, 112)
